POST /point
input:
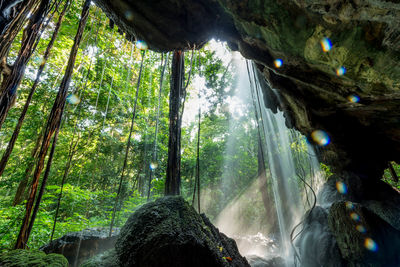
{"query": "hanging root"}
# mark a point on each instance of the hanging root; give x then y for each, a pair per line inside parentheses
(292, 236)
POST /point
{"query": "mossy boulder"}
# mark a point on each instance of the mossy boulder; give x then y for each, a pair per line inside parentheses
(31, 258)
(169, 232)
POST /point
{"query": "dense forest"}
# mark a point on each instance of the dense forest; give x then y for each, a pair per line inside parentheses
(91, 147)
(111, 152)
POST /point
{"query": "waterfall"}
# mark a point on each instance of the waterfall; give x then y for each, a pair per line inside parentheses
(291, 163)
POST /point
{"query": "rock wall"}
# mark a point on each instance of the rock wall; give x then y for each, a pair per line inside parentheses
(356, 223)
(365, 37)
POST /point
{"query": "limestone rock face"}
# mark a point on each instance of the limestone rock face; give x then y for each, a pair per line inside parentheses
(169, 232)
(365, 37)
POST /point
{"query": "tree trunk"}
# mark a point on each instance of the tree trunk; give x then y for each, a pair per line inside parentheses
(71, 153)
(20, 194)
(14, 137)
(173, 179)
(13, 14)
(10, 85)
(52, 125)
(43, 186)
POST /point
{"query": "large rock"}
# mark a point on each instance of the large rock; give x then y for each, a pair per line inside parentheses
(169, 232)
(365, 37)
(79, 246)
(364, 239)
(356, 223)
(31, 258)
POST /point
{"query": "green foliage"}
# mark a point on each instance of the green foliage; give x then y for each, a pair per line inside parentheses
(95, 129)
(388, 178)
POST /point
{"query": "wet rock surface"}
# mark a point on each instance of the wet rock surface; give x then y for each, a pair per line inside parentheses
(79, 246)
(169, 232)
(256, 261)
(365, 38)
(317, 245)
(355, 224)
(364, 239)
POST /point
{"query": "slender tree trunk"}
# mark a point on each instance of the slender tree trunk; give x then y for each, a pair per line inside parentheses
(52, 125)
(127, 145)
(173, 179)
(71, 153)
(20, 194)
(43, 185)
(198, 161)
(13, 14)
(11, 84)
(14, 137)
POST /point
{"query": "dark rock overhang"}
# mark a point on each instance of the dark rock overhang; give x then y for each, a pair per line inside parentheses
(366, 40)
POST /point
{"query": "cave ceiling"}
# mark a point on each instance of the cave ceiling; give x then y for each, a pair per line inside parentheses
(365, 38)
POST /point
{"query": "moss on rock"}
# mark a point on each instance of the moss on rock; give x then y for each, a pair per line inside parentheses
(169, 232)
(31, 258)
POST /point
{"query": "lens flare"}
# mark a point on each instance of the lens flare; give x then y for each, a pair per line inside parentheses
(353, 98)
(278, 63)
(153, 165)
(370, 244)
(341, 187)
(320, 137)
(349, 205)
(326, 44)
(73, 99)
(128, 15)
(142, 45)
(340, 71)
(354, 216)
(361, 228)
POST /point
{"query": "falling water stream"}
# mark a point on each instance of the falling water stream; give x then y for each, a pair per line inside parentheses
(292, 172)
